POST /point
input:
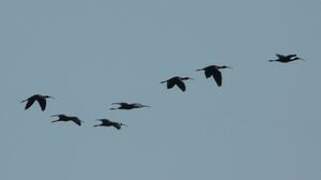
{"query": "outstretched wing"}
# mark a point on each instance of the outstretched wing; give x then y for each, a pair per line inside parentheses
(291, 56)
(181, 85)
(280, 56)
(30, 101)
(170, 84)
(77, 121)
(208, 73)
(42, 102)
(104, 121)
(217, 75)
(117, 125)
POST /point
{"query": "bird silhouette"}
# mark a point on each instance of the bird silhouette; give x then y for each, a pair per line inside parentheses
(109, 123)
(41, 99)
(63, 117)
(214, 71)
(286, 58)
(178, 81)
(128, 106)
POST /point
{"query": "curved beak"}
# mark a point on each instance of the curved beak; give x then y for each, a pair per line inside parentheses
(124, 124)
(118, 103)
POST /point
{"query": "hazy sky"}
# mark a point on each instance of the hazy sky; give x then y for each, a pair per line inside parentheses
(264, 123)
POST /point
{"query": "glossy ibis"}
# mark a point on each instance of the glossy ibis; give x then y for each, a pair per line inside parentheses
(63, 117)
(214, 71)
(286, 58)
(178, 81)
(109, 123)
(128, 106)
(41, 99)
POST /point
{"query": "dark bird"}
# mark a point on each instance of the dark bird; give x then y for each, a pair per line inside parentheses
(178, 81)
(286, 58)
(109, 123)
(214, 71)
(128, 106)
(63, 117)
(41, 99)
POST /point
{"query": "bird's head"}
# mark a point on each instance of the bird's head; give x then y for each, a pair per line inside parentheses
(58, 115)
(225, 67)
(48, 97)
(186, 78)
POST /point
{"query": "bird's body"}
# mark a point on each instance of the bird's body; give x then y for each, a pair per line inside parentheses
(109, 123)
(286, 58)
(41, 99)
(128, 106)
(214, 71)
(178, 81)
(63, 117)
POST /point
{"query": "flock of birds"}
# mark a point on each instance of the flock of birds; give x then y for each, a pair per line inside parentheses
(209, 71)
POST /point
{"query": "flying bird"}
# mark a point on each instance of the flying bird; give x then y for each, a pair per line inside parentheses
(41, 99)
(128, 106)
(63, 117)
(214, 71)
(286, 58)
(178, 81)
(109, 123)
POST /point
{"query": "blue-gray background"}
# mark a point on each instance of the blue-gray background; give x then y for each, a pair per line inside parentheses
(264, 123)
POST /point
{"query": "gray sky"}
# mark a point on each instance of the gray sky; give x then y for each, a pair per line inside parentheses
(264, 123)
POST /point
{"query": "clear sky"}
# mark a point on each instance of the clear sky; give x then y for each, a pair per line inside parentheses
(264, 123)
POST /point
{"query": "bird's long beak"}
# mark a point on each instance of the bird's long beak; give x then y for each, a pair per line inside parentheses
(229, 67)
(51, 97)
(124, 124)
(56, 115)
(199, 69)
(118, 103)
